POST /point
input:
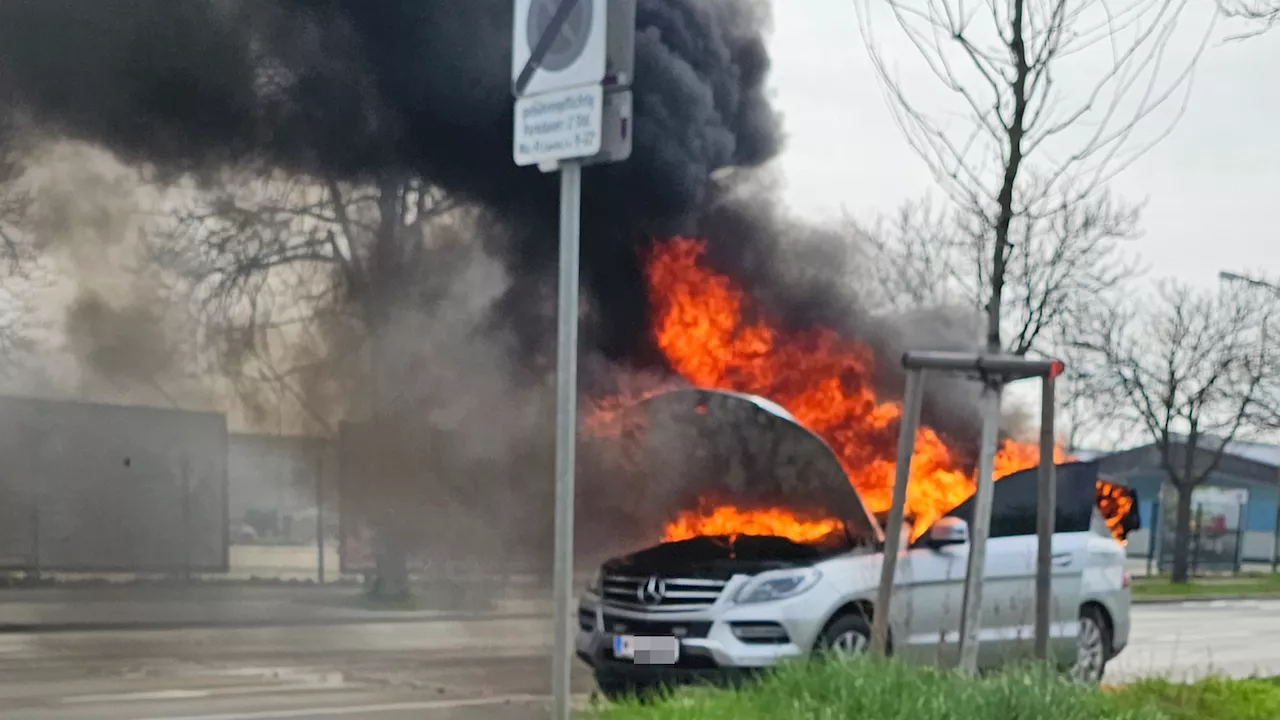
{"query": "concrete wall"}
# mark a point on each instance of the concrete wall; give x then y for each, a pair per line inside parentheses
(89, 487)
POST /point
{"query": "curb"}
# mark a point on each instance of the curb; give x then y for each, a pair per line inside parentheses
(1179, 600)
(111, 626)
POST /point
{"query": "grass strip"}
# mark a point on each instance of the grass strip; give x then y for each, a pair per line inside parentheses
(839, 689)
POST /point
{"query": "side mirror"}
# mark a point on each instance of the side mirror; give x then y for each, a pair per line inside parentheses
(948, 531)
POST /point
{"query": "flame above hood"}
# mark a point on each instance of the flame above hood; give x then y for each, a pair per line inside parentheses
(697, 447)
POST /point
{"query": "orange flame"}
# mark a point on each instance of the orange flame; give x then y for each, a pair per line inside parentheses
(712, 336)
(1115, 504)
(729, 520)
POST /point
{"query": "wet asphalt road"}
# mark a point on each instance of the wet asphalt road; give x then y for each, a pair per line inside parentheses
(474, 670)
(446, 670)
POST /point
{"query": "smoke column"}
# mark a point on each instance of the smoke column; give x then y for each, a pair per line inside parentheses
(357, 89)
(354, 88)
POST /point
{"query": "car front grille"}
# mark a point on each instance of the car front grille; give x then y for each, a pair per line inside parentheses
(617, 625)
(672, 594)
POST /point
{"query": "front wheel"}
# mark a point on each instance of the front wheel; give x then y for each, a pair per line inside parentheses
(1093, 647)
(847, 636)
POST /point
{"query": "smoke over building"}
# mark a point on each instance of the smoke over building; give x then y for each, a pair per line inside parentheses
(363, 90)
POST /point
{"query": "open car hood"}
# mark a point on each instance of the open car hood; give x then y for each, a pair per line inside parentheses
(693, 446)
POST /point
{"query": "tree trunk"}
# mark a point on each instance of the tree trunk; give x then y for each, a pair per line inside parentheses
(387, 289)
(1182, 537)
(391, 556)
(1005, 204)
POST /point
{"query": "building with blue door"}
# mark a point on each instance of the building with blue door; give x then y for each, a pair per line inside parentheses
(1248, 474)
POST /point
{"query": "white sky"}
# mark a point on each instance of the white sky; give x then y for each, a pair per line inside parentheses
(1212, 188)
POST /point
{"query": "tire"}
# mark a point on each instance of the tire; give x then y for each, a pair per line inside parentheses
(1093, 647)
(848, 635)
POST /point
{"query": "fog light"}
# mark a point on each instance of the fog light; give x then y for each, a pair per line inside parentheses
(760, 633)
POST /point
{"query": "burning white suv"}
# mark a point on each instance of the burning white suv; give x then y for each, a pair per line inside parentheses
(715, 608)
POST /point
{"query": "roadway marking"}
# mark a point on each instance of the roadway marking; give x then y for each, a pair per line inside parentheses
(137, 697)
(362, 710)
(183, 694)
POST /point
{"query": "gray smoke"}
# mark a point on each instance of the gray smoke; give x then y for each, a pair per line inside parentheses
(354, 90)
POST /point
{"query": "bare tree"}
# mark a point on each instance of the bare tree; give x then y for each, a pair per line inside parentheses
(18, 246)
(1186, 368)
(1057, 266)
(277, 262)
(1266, 412)
(1036, 137)
(1265, 13)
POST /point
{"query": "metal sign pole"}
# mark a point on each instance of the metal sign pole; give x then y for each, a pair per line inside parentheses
(1045, 520)
(566, 428)
(971, 614)
(893, 529)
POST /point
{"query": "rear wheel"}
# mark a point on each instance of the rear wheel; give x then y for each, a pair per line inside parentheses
(846, 636)
(1093, 647)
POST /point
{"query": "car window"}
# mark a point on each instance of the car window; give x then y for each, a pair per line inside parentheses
(1014, 504)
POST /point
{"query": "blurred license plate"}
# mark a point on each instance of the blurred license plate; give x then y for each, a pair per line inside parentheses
(646, 650)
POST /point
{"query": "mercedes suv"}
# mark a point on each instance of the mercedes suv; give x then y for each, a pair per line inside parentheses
(715, 608)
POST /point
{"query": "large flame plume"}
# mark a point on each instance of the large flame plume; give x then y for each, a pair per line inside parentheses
(713, 336)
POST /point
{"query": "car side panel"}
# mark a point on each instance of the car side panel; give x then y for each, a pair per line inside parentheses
(929, 631)
(1007, 633)
(1105, 583)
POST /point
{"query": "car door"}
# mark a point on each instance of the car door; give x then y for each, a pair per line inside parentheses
(1009, 596)
(1007, 626)
(931, 622)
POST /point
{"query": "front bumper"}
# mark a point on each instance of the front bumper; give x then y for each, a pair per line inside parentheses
(710, 652)
(695, 667)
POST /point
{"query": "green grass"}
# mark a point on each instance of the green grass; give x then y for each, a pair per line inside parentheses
(1161, 587)
(1212, 699)
(886, 691)
(891, 691)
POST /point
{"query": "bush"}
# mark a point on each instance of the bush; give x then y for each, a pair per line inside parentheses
(839, 689)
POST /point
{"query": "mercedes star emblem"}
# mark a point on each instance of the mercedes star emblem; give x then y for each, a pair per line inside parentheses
(651, 591)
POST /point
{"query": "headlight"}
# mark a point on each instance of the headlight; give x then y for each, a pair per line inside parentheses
(778, 585)
(597, 582)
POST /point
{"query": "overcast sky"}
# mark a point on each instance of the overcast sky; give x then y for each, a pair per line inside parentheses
(1212, 187)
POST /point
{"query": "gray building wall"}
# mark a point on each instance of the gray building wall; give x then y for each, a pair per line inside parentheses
(1140, 469)
(88, 487)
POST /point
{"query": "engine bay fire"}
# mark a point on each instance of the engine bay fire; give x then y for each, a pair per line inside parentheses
(716, 338)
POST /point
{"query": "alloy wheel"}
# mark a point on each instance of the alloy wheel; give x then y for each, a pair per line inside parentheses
(1091, 652)
(849, 643)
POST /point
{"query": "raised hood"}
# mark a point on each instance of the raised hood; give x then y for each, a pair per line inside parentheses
(721, 557)
(697, 446)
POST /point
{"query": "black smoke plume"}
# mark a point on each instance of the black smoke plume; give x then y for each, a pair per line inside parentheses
(355, 89)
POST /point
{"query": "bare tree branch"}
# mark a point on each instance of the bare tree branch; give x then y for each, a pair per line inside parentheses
(1023, 149)
(275, 262)
(1062, 257)
(1264, 14)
